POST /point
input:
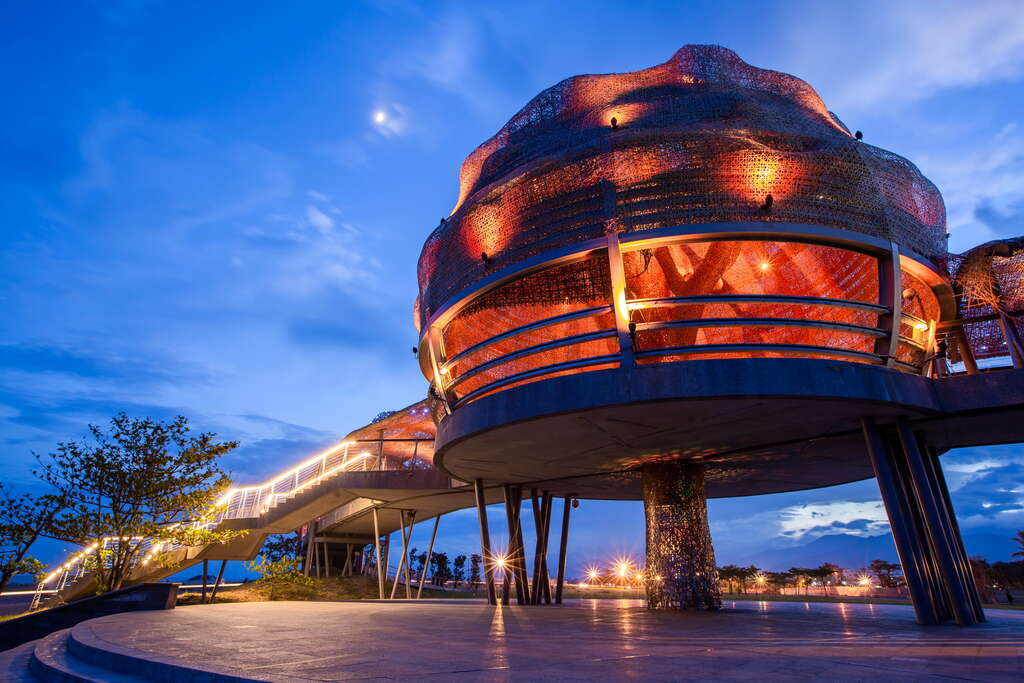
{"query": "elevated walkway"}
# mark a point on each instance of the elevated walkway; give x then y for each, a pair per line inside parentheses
(387, 465)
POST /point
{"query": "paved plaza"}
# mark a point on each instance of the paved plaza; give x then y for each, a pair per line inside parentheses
(582, 640)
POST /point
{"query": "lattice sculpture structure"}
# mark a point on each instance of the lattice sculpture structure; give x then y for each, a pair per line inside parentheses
(703, 139)
(694, 276)
(681, 571)
(990, 283)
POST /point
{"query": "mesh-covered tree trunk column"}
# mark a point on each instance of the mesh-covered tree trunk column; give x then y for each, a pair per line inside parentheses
(681, 572)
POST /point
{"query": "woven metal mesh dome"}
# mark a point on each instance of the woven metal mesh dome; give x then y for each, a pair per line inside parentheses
(702, 138)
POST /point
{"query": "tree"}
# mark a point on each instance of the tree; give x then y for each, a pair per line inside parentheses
(803, 576)
(885, 571)
(475, 560)
(442, 570)
(23, 519)
(140, 484)
(459, 575)
(730, 574)
(414, 561)
(747, 574)
(281, 546)
(825, 573)
(779, 579)
(1019, 539)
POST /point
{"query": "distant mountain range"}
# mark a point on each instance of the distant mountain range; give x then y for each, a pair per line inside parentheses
(854, 552)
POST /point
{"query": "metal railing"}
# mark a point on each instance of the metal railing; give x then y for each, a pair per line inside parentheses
(897, 339)
(235, 503)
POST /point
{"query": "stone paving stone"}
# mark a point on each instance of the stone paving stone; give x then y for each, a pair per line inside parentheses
(582, 640)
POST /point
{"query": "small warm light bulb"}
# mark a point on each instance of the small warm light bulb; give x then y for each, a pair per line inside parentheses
(921, 327)
(764, 266)
(379, 116)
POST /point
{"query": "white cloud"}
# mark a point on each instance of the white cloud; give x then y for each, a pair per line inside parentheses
(906, 51)
(318, 219)
(980, 183)
(863, 518)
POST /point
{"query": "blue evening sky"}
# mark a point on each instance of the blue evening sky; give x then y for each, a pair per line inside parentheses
(200, 214)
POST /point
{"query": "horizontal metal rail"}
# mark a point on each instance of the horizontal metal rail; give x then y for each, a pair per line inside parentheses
(531, 350)
(699, 349)
(545, 370)
(761, 322)
(910, 342)
(657, 302)
(554, 320)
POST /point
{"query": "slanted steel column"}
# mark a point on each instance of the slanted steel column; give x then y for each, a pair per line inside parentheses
(430, 550)
(307, 561)
(545, 586)
(1013, 341)
(376, 544)
(933, 511)
(401, 561)
(216, 584)
(522, 576)
(897, 507)
(485, 540)
(966, 352)
(562, 547)
(962, 560)
(515, 554)
(538, 525)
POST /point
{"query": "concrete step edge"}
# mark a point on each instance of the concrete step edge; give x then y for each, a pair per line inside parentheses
(51, 662)
(85, 645)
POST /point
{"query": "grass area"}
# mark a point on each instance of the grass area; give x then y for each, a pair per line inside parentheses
(329, 589)
(772, 597)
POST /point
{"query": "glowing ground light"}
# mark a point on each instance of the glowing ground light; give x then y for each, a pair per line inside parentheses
(622, 569)
(864, 581)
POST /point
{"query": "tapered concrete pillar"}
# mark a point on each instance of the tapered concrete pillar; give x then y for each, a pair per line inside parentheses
(681, 572)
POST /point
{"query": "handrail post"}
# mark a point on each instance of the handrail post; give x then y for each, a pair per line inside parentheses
(618, 279)
(890, 295)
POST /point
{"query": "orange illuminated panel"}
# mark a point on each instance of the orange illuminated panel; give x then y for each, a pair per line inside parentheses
(545, 294)
(675, 357)
(561, 354)
(752, 267)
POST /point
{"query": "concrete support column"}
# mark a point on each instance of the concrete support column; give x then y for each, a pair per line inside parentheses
(681, 572)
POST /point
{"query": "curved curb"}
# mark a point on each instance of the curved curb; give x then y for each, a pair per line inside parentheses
(85, 645)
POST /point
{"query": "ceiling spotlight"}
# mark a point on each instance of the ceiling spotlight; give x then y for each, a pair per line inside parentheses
(614, 123)
(859, 135)
(768, 201)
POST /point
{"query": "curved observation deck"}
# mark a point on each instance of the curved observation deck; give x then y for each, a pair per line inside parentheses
(580, 360)
(723, 290)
